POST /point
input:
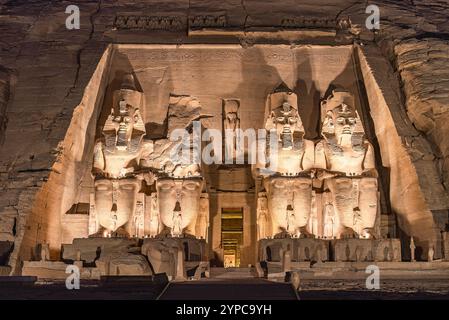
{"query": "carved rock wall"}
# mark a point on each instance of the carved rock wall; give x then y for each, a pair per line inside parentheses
(5, 95)
(412, 196)
(54, 65)
(419, 62)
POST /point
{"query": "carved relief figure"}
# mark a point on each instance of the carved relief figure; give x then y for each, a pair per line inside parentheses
(139, 216)
(329, 221)
(93, 221)
(262, 217)
(312, 226)
(348, 160)
(154, 223)
(231, 124)
(202, 225)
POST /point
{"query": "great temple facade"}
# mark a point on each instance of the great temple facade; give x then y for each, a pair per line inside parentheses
(182, 143)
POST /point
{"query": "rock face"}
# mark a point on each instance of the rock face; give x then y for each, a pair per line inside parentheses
(5, 94)
(419, 63)
(53, 80)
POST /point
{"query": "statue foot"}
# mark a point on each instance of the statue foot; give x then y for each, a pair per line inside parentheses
(282, 235)
(367, 233)
(304, 234)
(348, 233)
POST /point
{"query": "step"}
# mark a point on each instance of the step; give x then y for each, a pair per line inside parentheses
(229, 289)
(232, 273)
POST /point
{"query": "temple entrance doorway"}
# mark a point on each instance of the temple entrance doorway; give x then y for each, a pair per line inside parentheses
(231, 236)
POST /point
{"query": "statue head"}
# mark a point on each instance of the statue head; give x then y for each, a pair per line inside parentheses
(340, 119)
(115, 201)
(123, 132)
(179, 200)
(283, 117)
(125, 118)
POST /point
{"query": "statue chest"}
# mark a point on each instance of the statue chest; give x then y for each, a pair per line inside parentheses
(345, 159)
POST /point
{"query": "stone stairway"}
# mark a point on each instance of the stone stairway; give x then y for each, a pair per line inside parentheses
(232, 273)
(229, 289)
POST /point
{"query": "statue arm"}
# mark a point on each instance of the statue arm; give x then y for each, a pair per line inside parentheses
(321, 163)
(320, 156)
(369, 164)
(307, 162)
(147, 148)
(99, 162)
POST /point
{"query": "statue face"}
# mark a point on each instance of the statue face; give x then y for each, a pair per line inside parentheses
(285, 118)
(123, 132)
(115, 201)
(179, 196)
(123, 123)
(344, 121)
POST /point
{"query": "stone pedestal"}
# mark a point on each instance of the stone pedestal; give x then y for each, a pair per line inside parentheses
(445, 240)
(56, 270)
(300, 249)
(177, 257)
(366, 250)
(91, 249)
(111, 256)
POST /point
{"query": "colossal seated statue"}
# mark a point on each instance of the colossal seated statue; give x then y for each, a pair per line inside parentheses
(349, 167)
(116, 158)
(118, 154)
(179, 182)
(125, 166)
(287, 179)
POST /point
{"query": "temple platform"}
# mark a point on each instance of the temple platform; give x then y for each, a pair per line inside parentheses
(178, 258)
(357, 270)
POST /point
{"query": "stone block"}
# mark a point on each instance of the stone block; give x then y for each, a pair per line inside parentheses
(6, 248)
(387, 250)
(174, 256)
(91, 249)
(366, 250)
(445, 237)
(124, 264)
(45, 269)
(302, 249)
(5, 270)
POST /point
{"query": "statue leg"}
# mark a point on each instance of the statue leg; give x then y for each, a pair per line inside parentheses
(278, 195)
(368, 201)
(130, 228)
(302, 201)
(276, 224)
(342, 198)
(191, 229)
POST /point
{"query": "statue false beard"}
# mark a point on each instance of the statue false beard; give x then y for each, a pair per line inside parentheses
(345, 140)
